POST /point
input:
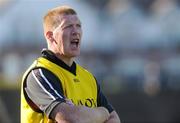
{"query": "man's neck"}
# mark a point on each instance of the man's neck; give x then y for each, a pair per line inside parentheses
(66, 60)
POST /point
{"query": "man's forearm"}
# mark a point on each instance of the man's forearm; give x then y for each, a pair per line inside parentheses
(79, 114)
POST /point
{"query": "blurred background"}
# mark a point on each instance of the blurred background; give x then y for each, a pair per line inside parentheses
(131, 46)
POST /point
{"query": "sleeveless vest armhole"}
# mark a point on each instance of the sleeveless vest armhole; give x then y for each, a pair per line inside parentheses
(29, 101)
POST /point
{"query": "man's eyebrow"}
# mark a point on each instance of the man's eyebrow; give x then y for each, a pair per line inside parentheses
(62, 24)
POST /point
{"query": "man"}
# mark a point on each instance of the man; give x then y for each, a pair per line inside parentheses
(55, 88)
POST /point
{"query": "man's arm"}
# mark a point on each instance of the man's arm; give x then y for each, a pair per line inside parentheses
(79, 114)
(47, 94)
(102, 101)
(114, 118)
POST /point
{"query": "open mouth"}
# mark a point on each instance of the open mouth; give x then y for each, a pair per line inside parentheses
(75, 42)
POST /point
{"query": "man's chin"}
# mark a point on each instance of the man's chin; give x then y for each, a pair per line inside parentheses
(74, 54)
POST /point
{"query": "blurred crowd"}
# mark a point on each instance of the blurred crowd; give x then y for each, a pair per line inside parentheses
(130, 45)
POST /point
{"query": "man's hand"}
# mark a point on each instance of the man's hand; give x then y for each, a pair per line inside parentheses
(104, 115)
(114, 118)
(79, 114)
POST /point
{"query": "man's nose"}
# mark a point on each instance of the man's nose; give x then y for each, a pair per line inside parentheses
(75, 30)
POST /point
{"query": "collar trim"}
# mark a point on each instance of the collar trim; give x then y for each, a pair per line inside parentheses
(47, 54)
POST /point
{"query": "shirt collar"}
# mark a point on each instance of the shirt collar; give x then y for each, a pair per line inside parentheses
(47, 54)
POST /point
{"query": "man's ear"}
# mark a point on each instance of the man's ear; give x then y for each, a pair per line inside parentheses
(49, 36)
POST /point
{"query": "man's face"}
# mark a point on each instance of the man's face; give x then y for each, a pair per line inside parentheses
(68, 36)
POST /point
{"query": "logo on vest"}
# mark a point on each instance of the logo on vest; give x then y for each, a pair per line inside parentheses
(86, 102)
(76, 80)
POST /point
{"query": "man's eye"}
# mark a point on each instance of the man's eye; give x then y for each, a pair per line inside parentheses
(79, 25)
(71, 25)
(68, 26)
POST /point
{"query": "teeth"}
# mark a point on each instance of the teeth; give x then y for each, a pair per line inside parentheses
(75, 41)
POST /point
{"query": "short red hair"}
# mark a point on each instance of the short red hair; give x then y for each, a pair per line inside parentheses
(50, 21)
